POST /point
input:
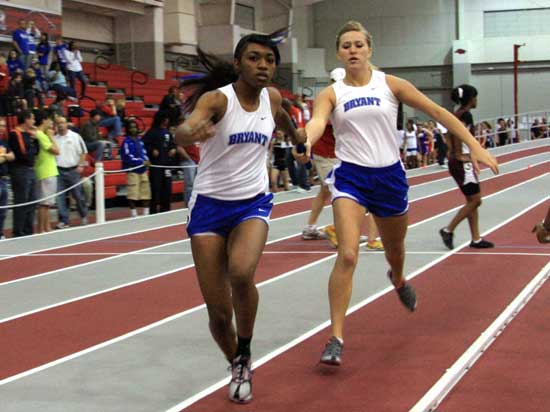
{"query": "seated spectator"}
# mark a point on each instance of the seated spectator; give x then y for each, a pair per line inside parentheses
(16, 94)
(133, 154)
(21, 44)
(46, 170)
(58, 82)
(120, 106)
(57, 108)
(23, 142)
(6, 155)
(92, 138)
(110, 120)
(32, 94)
(14, 64)
(41, 84)
(172, 105)
(74, 68)
(4, 83)
(70, 163)
(43, 51)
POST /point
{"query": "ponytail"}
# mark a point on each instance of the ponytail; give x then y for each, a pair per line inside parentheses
(220, 72)
(463, 94)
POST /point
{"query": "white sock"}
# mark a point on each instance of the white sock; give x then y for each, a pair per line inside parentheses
(145, 211)
(133, 212)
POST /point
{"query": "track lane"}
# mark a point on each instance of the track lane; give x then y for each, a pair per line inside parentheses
(391, 357)
(75, 326)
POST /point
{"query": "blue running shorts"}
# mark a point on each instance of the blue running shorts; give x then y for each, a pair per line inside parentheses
(208, 215)
(383, 191)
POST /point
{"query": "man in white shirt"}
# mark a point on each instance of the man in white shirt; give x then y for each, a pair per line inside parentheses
(70, 163)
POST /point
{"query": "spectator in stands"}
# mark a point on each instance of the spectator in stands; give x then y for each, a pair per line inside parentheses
(189, 158)
(161, 151)
(133, 154)
(6, 155)
(536, 131)
(120, 105)
(43, 51)
(16, 94)
(502, 132)
(14, 63)
(23, 142)
(4, 83)
(58, 82)
(30, 89)
(74, 67)
(33, 35)
(46, 170)
(171, 105)
(92, 138)
(21, 43)
(59, 50)
(70, 163)
(110, 120)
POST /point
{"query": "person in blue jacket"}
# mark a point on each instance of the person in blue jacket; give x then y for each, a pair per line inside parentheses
(43, 51)
(14, 64)
(134, 154)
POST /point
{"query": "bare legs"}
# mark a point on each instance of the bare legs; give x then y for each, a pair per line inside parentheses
(225, 270)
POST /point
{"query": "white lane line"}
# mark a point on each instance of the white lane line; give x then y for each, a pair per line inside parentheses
(323, 252)
(192, 310)
(268, 243)
(56, 271)
(266, 358)
(433, 398)
(123, 234)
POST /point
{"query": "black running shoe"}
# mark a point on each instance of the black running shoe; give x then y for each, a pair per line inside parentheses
(482, 244)
(240, 387)
(447, 238)
(406, 294)
(332, 355)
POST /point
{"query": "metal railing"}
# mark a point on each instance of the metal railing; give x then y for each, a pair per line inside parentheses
(141, 82)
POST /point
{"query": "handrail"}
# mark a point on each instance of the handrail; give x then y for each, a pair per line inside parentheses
(140, 82)
(102, 67)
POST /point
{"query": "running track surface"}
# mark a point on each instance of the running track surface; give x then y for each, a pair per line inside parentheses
(383, 355)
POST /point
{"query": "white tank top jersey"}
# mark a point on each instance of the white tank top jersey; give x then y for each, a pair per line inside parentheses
(412, 143)
(365, 121)
(233, 162)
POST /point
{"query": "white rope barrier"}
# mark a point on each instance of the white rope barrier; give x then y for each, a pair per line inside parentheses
(50, 196)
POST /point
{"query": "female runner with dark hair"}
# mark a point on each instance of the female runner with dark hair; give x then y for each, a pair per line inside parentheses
(463, 172)
(234, 113)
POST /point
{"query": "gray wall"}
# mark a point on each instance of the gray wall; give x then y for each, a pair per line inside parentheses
(415, 39)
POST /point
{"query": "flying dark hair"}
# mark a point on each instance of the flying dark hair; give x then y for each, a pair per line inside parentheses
(220, 72)
(463, 94)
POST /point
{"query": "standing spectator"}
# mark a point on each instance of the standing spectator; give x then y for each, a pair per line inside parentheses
(25, 148)
(536, 131)
(279, 151)
(190, 156)
(4, 83)
(33, 35)
(502, 132)
(70, 163)
(110, 120)
(440, 144)
(14, 63)
(134, 154)
(92, 138)
(46, 171)
(74, 67)
(161, 151)
(59, 50)
(171, 105)
(6, 155)
(21, 43)
(30, 89)
(43, 51)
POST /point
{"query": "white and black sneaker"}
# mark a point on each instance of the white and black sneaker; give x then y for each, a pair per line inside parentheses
(406, 293)
(313, 233)
(240, 387)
